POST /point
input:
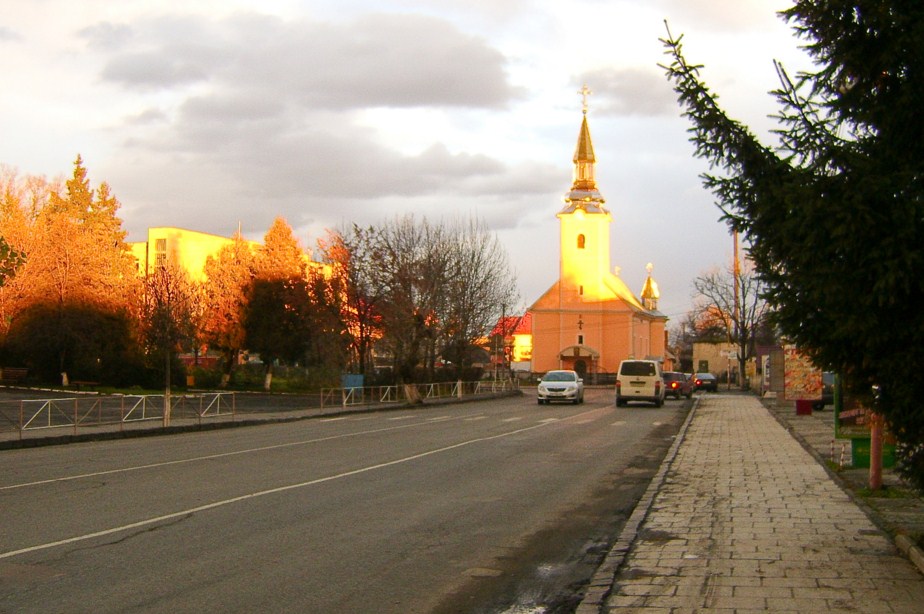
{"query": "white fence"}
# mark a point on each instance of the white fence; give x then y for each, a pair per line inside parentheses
(381, 395)
(74, 413)
(122, 412)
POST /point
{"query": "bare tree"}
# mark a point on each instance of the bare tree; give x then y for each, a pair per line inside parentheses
(421, 290)
(733, 304)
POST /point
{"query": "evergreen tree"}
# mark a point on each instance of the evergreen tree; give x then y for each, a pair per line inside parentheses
(276, 319)
(834, 213)
(280, 257)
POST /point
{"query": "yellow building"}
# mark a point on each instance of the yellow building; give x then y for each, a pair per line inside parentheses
(589, 320)
(186, 248)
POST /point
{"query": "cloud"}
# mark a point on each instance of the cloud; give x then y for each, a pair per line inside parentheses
(106, 35)
(722, 15)
(375, 60)
(7, 35)
(630, 91)
(266, 110)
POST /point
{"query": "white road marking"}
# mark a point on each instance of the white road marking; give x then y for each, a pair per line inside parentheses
(263, 493)
(211, 456)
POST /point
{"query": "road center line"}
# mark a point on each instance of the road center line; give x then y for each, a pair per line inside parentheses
(271, 491)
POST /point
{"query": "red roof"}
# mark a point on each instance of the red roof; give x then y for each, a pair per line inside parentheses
(513, 325)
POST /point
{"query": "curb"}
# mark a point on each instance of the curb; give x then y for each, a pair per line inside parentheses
(601, 584)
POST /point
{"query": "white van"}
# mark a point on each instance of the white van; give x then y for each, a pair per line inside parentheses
(639, 380)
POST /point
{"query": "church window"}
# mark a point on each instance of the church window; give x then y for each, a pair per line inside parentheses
(580, 339)
(580, 242)
(581, 290)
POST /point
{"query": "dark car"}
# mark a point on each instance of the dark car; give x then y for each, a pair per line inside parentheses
(827, 391)
(706, 381)
(677, 384)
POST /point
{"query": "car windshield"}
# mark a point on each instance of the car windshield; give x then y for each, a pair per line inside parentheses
(559, 376)
(705, 376)
(672, 376)
(639, 367)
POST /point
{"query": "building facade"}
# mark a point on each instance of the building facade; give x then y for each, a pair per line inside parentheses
(188, 249)
(589, 320)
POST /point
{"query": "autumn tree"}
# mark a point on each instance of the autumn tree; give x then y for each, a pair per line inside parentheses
(277, 314)
(834, 210)
(229, 275)
(168, 318)
(10, 261)
(76, 260)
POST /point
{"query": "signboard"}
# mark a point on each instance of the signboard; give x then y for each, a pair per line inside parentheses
(851, 419)
(801, 380)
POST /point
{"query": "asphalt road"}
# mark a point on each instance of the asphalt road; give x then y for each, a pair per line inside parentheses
(476, 507)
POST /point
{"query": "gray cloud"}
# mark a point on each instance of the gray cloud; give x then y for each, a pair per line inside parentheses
(377, 60)
(106, 35)
(7, 35)
(630, 91)
(270, 118)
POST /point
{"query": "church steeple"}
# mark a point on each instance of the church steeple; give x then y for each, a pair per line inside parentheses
(650, 292)
(584, 194)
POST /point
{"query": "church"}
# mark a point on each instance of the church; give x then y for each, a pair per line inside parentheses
(589, 320)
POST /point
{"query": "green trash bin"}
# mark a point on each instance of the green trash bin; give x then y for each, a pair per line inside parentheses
(859, 453)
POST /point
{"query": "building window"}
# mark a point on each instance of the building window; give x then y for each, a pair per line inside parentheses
(581, 290)
(580, 241)
(580, 339)
(160, 253)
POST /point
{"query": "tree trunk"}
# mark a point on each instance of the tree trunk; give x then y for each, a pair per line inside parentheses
(167, 408)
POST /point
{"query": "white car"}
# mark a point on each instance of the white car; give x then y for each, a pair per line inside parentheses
(640, 380)
(560, 386)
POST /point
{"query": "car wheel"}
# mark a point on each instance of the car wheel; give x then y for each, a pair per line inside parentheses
(620, 403)
(659, 403)
(539, 401)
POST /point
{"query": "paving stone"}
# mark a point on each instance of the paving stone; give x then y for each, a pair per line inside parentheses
(745, 519)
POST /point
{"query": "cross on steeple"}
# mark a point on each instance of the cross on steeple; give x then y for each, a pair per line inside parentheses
(584, 92)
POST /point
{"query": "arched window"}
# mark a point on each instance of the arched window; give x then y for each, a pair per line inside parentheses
(580, 241)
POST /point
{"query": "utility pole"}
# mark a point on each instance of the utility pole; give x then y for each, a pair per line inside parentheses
(736, 275)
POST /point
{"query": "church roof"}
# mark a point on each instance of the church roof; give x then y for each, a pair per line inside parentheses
(584, 194)
(584, 152)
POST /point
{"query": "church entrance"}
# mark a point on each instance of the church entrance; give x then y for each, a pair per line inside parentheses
(581, 359)
(580, 365)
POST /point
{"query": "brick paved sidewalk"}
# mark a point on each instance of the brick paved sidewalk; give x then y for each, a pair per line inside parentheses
(747, 521)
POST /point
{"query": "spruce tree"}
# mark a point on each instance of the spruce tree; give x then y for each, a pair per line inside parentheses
(833, 212)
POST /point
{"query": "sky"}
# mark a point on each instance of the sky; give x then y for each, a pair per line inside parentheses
(212, 115)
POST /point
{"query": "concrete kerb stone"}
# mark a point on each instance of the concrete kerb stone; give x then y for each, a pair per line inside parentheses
(601, 584)
(905, 544)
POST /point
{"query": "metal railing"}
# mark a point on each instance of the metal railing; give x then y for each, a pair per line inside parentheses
(121, 412)
(110, 410)
(394, 394)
